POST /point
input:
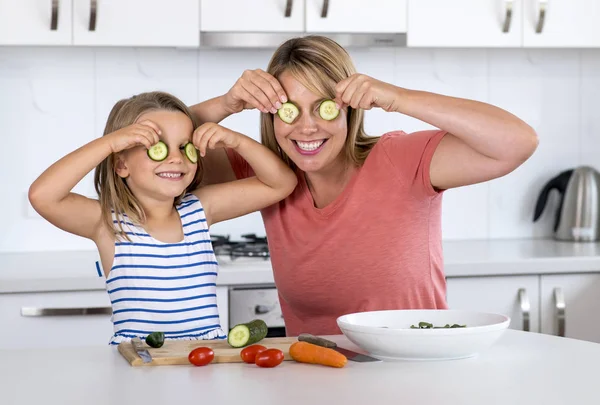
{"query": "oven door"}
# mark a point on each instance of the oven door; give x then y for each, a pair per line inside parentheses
(247, 304)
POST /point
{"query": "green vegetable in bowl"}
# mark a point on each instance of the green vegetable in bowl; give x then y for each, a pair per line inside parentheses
(427, 325)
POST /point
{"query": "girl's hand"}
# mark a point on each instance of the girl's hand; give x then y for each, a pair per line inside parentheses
(255, 89)
(362, 91)
(142, 133)
(213, 136)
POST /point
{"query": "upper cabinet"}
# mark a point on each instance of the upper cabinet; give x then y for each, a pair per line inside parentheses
(35, 22)
(136, 23)
(252, 16)
(561, 23)
(465, 23)
(356, 16)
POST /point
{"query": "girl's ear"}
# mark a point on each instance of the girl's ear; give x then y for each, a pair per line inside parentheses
(121, 167)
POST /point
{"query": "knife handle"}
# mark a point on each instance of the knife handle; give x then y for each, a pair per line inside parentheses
(319, 341)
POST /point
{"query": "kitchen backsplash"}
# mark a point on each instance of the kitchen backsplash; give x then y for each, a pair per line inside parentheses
(53, 100)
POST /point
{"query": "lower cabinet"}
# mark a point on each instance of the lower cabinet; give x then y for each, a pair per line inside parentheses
(563, 305)
(66, 319)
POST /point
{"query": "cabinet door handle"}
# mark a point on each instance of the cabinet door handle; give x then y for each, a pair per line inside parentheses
(54, 17)
(38, 312)
(93, 14)
(560, 307)
(542, 16)
(263, 309)
(288, 7)
(325, 9)
(508, 15)
(525, 308)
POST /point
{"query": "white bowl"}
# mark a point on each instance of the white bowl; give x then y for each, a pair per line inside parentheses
(387, 334)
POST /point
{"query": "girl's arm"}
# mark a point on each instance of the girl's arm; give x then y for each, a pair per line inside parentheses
(483, 142)
(51, 196)
(273, 182)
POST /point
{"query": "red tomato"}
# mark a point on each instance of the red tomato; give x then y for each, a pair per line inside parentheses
(201, 356)
(248, 354)
(269, 358)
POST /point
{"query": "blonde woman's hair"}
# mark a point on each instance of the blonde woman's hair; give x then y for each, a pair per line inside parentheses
(319, 63)
(113, 192)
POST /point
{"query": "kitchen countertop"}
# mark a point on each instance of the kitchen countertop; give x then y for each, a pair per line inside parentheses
(521, 368)
(75, 270)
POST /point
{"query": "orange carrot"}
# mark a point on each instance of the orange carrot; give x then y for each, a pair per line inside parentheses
(304, 352)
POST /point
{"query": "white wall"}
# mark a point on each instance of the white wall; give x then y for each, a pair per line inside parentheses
(53, 100)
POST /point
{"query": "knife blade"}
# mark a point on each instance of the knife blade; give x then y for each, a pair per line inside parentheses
(350, 355)
(141, 350)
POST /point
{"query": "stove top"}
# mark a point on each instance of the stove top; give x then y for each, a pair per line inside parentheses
(250, 246)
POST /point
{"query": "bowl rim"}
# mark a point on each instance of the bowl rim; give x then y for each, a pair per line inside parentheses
(343, 324)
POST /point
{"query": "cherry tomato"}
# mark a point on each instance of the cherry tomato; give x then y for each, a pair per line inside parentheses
(248, 354)
(201, 356)
(269, 358)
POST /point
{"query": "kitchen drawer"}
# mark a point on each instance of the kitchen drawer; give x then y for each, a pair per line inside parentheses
(55, 319)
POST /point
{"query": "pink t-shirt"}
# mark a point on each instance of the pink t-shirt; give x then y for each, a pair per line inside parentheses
(377, 246)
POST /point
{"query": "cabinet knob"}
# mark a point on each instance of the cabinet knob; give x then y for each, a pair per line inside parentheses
(54, 16)
(93, 14)
(263, 309)
(542, 16)
(525, 309)
(325, 9)
(508, 15)
(288, 7)
(560, 307)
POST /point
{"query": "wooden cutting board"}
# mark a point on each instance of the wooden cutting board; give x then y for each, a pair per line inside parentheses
(175, 352)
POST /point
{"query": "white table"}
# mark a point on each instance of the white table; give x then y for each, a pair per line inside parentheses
(522, 368)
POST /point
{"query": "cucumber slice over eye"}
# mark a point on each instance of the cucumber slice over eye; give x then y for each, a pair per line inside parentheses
(328, 111)
(191, 152)
(158, 152)
(288, 112)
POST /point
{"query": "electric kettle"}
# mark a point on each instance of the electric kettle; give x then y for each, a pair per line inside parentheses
(577, 218)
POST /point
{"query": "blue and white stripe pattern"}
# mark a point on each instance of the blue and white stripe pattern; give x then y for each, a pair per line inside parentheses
(166, 287)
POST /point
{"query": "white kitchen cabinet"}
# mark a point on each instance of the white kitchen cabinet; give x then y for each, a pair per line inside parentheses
(26, 323)
(252, 16)
(175, 23)
(465, 23)
(356, 16)
(223, 306)
(570, 304)
(35, 22)
(561, 23)
(513, 296)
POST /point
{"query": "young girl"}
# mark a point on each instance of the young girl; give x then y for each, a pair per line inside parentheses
(151, 222)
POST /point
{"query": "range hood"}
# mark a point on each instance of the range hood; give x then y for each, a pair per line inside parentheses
(274, 39)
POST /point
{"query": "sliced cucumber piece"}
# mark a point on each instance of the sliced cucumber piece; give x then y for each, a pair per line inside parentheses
(158, 152)
(245, 334)
(191, 152)
(288, 112)
(328, 111)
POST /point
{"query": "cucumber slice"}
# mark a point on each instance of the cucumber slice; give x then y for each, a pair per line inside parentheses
(191, 152)
(155, 339)
(288, 112)
(158, 152)
(245, 334)
(328, 111)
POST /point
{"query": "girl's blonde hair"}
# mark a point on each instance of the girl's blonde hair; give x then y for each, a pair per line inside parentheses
(319, 63)
(113, 192)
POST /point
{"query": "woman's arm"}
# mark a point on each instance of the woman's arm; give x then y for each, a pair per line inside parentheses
(273, 182)
(51, 196)
(483, 142)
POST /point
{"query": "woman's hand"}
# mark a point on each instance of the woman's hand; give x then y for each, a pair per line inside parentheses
(362, 91)
(142, 133)
(255, 89)
(213, 136)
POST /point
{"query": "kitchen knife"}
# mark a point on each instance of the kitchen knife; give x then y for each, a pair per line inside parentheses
(350, 355)
(141, 350)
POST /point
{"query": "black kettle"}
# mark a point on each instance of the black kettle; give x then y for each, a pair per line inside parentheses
(577, 216)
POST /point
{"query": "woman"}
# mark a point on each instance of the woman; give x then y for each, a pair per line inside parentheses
(362, 230)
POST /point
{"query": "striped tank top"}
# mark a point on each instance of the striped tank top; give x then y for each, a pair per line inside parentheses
(165, 287)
